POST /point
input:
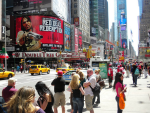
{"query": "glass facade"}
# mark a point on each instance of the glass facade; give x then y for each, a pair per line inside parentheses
(140, 7)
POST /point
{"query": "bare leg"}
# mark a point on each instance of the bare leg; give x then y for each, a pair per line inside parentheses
(63, 109)
(55, 110)
(92, 111)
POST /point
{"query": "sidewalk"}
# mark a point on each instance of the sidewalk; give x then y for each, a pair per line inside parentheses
(138, 98)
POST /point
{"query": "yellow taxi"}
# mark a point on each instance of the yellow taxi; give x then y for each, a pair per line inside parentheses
(6, 74)
(64, 69)
(39, 69)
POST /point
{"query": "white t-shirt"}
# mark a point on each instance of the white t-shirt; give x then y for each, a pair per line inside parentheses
(88, 90)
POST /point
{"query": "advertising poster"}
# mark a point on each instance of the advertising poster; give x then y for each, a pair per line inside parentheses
(80, 39)
(100, 51)
(103, 68)
(36, 33)
(124, 43)
(121, 55)
(123, 28)
(20, 5)
(72, 38)
(67, 40)
(123, 20)
(76, 39)
(76, 21)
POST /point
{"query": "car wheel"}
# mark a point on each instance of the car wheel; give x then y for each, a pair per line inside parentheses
(32, 73)
(48, 71)
(9, 76)
(40, 72)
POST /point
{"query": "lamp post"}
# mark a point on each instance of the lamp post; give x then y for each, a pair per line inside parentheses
(24, 63)
(14, 62)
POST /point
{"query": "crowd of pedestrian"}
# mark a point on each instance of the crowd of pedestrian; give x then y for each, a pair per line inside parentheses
(23, 100)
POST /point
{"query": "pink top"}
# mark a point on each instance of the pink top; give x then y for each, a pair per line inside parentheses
(118, 85)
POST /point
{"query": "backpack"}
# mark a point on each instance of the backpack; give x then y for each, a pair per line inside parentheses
(96, 89)
(2, 109)
(121, 101)
(136, 71)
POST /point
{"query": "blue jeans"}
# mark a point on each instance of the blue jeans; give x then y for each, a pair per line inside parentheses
(119, 110)
(135, 79)
(77, 105)
(98, 98)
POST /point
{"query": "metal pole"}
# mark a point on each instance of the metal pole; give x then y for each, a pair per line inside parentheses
(5, 51)
(24, 64)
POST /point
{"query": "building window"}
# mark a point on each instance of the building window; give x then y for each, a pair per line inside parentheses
(75, 0)
(75, 11)
(75, 5)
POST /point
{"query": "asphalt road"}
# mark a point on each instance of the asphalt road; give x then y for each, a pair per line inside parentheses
(26, 79)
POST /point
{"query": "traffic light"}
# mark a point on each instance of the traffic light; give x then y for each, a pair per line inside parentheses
(22, 60)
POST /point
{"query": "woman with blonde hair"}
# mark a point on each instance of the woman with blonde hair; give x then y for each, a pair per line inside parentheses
(78, 91)
(77, 71)
(22, 102)
(82, 79)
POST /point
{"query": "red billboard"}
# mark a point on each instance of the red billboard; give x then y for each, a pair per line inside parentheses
(76, 21)
(39, 33)
(76, 39)
(80, 39)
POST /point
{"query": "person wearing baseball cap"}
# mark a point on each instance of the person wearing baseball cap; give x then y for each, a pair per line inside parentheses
(110, 75)
(10, 90)
(59, 88)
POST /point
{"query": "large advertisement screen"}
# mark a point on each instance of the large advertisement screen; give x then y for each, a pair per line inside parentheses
(35, 33)
(67, 39)
(124, 43)
(80, 39)
(20, 5)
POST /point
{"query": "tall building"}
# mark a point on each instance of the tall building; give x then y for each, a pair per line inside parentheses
(80, 15)
(140, 7)
(120, 15)
(98, 17)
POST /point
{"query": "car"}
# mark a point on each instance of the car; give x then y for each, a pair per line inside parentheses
(64, 69)
(39, 69)
(6, 74)
(67, 75)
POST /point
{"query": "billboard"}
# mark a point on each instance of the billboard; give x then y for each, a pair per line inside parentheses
(35, 33)
(123, 28)
(23, 5)
(67, 38)
(124, 43)
(80, 39)
(100, 51)
(123, 20)
(76, 21)
(76, 39)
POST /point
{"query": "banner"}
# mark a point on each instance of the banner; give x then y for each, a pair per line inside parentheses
(36, 33)
(76, 39)
(103, 68)
(67, 40)
(121, 55)
(80, 39)
(76, 21)
(20, 5)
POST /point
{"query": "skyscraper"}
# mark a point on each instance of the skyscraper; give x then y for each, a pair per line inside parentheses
(140, 6)
(98, 16)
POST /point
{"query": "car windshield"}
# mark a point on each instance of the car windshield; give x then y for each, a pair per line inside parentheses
(63, 67)
(33, 67)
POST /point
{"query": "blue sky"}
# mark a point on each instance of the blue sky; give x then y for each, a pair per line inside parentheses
(132, 23)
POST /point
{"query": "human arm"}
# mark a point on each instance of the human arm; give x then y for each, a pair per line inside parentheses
(86, 84)
(82, 91)
(53, 82)
(45, 102)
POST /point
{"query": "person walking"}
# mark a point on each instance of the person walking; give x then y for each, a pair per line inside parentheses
(133, 72)
(145, 70)
(127, 68)
(46, 99)
(22, 102)
(21, 68)
(78, 91)
(18, 68)
(110, 75)
(59, 88)
(120, 88)
(98, 79)
(91, 81)
(10, 90)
